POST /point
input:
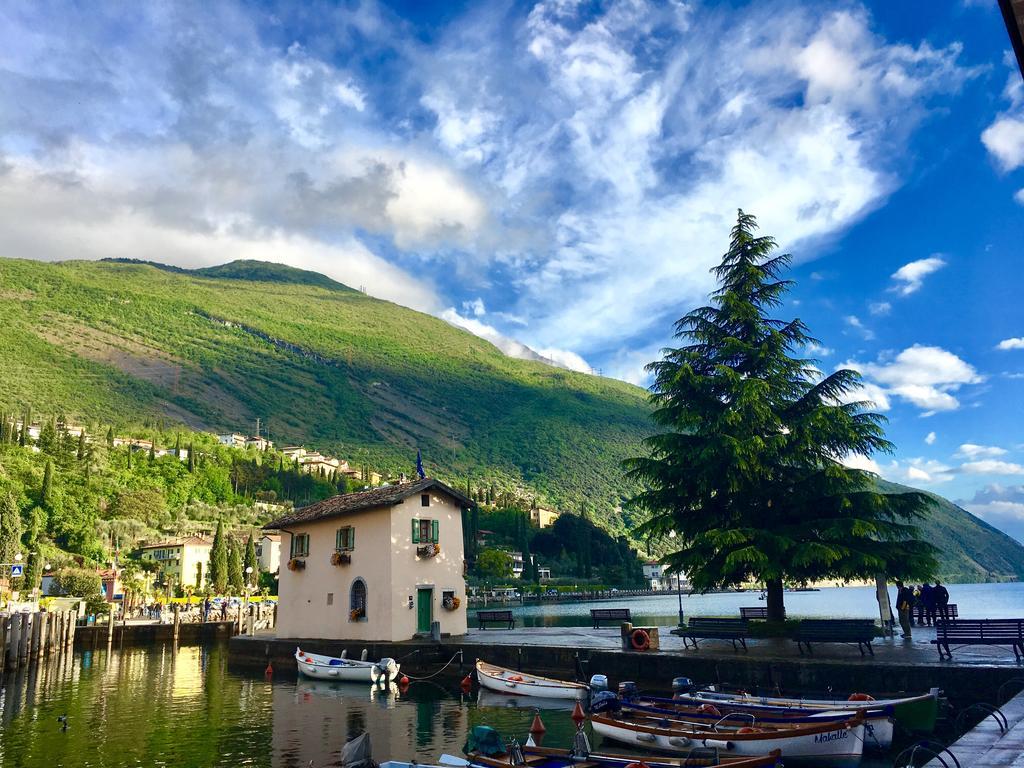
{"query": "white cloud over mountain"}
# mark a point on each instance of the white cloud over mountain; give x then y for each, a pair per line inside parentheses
(924, 376)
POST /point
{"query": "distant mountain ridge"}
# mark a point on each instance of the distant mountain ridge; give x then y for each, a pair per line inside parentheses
(126, 341)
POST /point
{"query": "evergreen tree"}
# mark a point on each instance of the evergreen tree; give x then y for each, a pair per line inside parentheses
(48, 439)
(250, 560)
(10, 528)
(152, 450)
(80, 454)
(191, 457)
(235, 575)
(23, 434)
(46, 491)
(219, 561)
(177, 446)
(34, 566)
(110, 437)
(747, 469)
(129, 447)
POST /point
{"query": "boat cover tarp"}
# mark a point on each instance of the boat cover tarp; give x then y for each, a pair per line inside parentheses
(357, 753)
(484, 740)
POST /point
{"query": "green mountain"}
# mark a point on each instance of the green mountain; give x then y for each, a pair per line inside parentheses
(134, 343)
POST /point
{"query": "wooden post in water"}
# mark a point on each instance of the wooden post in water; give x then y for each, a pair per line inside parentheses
(110, 626)
(37, 635)
(4, 623)
(177, 621)
(14, 641)
(250, 622)
(72, 618)
(23, 638)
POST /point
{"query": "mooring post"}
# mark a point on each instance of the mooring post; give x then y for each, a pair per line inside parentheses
(110, 625)
(4, 622)
(251, 619)
(14, 639)
(37, 634)
(177, 621)
(23, 640)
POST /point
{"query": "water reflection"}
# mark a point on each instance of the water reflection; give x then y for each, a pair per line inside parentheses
(182, 707)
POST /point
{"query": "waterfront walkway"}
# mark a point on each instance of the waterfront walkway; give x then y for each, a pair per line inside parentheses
(988, 745)
(918, 650)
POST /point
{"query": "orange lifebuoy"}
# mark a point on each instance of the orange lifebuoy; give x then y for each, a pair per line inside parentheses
(516, 678)
(709, 709)
(860, 697)
(640, 639)
(748, 729)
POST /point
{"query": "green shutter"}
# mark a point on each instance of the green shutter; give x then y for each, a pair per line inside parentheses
(415, 531)
(352, 538)
(337, 539)
(433, 531)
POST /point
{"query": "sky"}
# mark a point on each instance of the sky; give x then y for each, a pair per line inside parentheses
(560, 176)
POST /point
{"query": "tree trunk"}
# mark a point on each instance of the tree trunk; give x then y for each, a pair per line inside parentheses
(776, 606)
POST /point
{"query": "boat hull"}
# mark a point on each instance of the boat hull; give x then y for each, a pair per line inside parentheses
(841, 747)
(508, 681)
(319, 667)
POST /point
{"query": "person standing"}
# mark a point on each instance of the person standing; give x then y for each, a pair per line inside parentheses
(927, 604)
(904, 603)
(941, 598)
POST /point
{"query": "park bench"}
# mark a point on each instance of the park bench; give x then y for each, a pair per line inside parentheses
(853, 631)
(979, 632)
(495, 617)
(951, 613)
(754, 612)
(733, 630)
(597, 615)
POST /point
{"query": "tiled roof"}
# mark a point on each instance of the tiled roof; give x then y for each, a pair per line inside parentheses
(387, 495)
(193, 540)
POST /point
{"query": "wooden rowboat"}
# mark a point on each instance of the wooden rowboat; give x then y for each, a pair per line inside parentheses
(503, 680)
(838, 745)
(542, 757)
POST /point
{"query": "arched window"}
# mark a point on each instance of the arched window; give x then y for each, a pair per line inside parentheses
(357, 601)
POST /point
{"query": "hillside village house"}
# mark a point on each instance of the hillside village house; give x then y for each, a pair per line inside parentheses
(381, 564)
(268, 552)
(542, 517)
(182, 562)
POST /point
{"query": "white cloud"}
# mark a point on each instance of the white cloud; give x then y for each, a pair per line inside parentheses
(910, 277)
(974, 451)
(921, 375)
(914, 471)
(566, 359)
(930, 438)
(1004, 139)
(818, 350)
(474, 307)
(880, 308)
(855, 322)
(992, 467)
(1019, 196)
(1013, 343)
(860, 461)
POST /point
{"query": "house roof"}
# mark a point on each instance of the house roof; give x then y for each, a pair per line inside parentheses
(387, 495)
(1013, 16)
(198, 541)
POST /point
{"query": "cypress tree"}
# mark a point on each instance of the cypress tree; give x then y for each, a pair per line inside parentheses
(191, 457)
(81, 446)
(48, 439)
(251, 561)
(110, 437)
(129, 448)
(10, 528)
(235, 575)
(46, 492)
(747, 470)
(219, 561)
(152, 450)
(22, 435)
(177, 446)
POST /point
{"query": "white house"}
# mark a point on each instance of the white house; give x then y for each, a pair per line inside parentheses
(268, 551)
(234, 438)
(382, 564)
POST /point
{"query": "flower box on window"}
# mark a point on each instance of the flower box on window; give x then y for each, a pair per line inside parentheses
(356, 614)
(428, 550)
(341, 558)
(296, 565)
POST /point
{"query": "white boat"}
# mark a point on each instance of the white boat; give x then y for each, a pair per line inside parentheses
(502, 680)
(829, 744)
(915, 713)
(489, 698)
(333, 668)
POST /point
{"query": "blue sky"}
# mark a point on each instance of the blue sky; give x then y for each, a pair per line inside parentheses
(559, 176)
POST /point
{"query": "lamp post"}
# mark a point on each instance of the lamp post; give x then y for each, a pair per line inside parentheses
(679, 585)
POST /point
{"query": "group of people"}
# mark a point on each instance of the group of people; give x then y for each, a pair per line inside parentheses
(930, 601)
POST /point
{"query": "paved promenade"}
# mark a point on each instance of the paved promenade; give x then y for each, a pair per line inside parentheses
(989, 746)
(918, 651)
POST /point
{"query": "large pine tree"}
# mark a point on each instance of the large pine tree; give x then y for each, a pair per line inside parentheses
(747, 470)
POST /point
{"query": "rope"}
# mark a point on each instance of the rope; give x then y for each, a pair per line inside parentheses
(435, 674)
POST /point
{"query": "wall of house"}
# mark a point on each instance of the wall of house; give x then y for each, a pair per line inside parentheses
(270, 554)
(442, 571)
(303, 610)
(190, 557)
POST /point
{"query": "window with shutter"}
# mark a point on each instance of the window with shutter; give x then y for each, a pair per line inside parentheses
(415, 531)
(433, 531)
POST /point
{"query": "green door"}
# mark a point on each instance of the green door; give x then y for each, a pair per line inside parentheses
(424, 608)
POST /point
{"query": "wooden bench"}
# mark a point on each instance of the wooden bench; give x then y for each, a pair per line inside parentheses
(733, 630)
(853, 631)
(979, 632)
(918, 613)
(597, 615)
(496, 617)
(754, 612)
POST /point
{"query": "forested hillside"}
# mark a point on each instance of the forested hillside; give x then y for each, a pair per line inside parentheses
(157, 351)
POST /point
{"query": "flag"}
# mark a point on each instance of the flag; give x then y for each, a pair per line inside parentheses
(419, 465)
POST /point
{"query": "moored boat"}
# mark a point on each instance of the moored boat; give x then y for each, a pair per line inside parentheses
(503, 680)
(834, 744)
(322, 667)
(914, 713)
(878, 720)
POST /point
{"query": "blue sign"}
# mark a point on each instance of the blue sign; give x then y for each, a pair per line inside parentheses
(17, 570)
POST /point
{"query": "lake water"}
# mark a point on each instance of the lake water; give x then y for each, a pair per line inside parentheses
(182, 708)
(974, 601)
